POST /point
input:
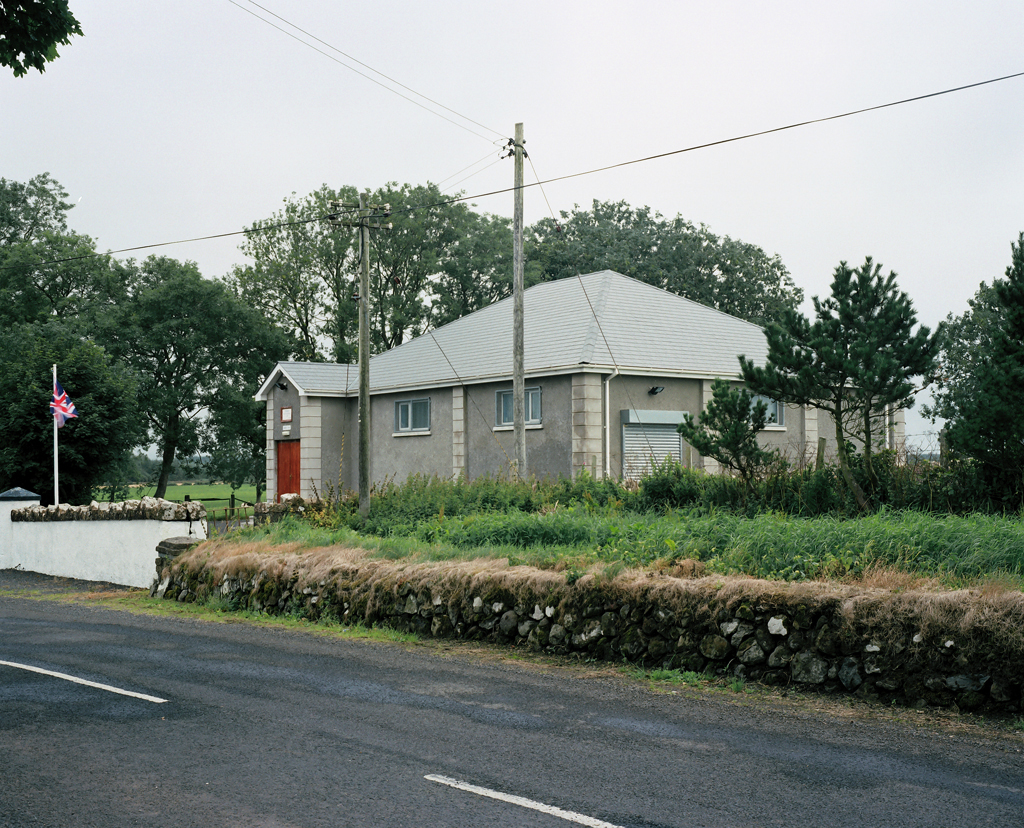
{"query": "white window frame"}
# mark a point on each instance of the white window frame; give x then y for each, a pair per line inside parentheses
(408, 406)
(532, 407)
(776, 416)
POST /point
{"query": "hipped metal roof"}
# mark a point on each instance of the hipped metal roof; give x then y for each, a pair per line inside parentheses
(598, 322)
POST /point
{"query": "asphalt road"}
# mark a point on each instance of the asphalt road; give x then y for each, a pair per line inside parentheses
(280, 728)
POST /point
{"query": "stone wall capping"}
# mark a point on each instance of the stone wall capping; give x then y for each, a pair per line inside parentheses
(148, 508)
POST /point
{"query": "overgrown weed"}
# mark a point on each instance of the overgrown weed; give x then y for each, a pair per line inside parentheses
(898, 551)
(662, 676)
(695, 529)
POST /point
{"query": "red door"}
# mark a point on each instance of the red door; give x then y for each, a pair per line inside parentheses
(288, 472)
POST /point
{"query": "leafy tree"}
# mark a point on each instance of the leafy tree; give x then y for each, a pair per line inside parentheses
(235, 435)
(967, 345)
(36, 292)
(90, 446)
(673, 254)
(981, 392)
(58, 275)
(137, 469)
(728, 429)
(184, 336)
(236, 440)
(47, 270)
(477, 270)
(305, 273)
(441, 261)
(855, 362)
(728, 274)
(302, 275)
(28, 210)
(409, 259)
(30, 31)
(611, 235)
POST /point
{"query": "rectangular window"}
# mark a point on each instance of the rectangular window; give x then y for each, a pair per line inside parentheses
(776, 415)
(531, 409)
(412, 415)
(533, 405)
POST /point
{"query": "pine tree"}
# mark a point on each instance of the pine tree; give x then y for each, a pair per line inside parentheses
(984, 408)
(728, 428)
(855, 362)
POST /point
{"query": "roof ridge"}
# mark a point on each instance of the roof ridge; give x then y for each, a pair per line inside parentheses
(693, 302)
(605, 320)
(597, 304)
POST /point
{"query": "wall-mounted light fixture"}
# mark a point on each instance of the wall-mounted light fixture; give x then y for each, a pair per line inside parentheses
(282, 386)
(656, 389)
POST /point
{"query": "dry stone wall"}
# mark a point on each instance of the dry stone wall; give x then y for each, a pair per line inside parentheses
(832, 643)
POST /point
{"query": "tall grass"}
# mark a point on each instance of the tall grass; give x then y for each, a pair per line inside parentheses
(796, 525)
(956, 550)
(767, 545)
(897, 483)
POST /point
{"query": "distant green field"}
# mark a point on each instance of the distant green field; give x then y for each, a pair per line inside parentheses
(197, 491)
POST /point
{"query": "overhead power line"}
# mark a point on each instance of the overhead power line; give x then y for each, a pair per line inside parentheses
(260, 229)
(721, 141)
(468, 167)
(473, 174)
(368, 67)
(502, 191)
(776, 129)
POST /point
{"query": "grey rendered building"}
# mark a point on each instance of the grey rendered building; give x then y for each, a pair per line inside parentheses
(611, 365)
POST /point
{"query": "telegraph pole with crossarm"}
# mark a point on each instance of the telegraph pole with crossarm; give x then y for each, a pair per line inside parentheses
(369, 217)
(518, 380)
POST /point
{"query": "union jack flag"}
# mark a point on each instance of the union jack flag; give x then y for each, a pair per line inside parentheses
(61, 408)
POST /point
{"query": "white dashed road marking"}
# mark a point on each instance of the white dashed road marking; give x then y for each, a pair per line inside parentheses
(571, 816)
(77, 680)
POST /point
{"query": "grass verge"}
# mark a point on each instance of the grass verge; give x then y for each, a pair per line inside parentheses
(897, 550)
(214, 610)
(195, 491)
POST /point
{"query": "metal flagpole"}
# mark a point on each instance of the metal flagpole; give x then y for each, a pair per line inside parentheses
(56, 496)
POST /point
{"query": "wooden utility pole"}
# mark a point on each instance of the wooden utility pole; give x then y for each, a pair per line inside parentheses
(518, 380)
(364, 358)
(366, 213)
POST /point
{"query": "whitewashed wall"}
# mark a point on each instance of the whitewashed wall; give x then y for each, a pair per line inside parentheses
(118, 551)
(7, 531)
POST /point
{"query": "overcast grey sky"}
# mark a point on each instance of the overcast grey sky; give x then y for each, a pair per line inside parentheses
(174, 120)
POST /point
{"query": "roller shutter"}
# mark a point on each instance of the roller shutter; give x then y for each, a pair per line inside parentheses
(646, 444)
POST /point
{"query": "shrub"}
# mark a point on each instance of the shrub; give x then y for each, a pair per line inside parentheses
(670, 485)
(422, 498)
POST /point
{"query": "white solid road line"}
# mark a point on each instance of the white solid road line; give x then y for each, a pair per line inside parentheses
(581, 819)
(77, 680)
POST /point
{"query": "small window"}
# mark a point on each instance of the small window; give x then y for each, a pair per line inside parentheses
(412, 415)
(532, 409)
(776, 414)
(286, 414)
